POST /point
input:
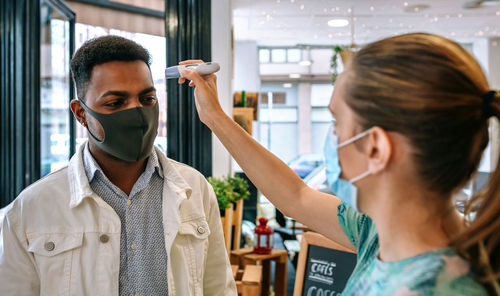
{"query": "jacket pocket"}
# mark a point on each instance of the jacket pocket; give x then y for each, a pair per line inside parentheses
(53, 254)
(193, 236)
(197, 228)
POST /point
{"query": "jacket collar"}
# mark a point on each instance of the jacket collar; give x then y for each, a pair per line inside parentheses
(172, 175)
(80, 188)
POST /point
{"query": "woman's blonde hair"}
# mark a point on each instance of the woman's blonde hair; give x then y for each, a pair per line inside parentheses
(431, 90)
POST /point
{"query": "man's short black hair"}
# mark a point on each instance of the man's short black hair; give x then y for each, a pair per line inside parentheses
(101, 50)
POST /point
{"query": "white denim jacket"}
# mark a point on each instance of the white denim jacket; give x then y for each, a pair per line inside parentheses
(59, 238)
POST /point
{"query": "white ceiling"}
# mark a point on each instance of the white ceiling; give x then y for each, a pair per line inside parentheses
(292, 22)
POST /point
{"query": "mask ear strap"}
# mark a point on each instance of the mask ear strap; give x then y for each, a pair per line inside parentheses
(91, 112)
(354, 139)
(363, 175)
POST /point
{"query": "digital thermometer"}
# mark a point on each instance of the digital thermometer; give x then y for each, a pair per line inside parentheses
(202, 69)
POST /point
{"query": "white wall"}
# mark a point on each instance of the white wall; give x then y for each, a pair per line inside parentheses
(320, 59)
(222, 53)
(494, 62)
(305, 123)
(487, 52)
(246, 66)
(480, 51)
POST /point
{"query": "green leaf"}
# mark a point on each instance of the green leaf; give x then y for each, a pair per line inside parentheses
(229, 189)
(220, 189)
(334, 61)
(240, 187)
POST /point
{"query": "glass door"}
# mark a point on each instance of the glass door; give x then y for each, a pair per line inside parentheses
(56, 86)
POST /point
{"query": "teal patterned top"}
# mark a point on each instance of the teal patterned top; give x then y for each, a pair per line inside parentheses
(439, 272)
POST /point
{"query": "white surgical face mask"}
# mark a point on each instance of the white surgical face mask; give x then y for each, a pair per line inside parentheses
(344, 189)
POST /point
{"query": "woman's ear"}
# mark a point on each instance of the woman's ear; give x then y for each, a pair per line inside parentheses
(379, 149)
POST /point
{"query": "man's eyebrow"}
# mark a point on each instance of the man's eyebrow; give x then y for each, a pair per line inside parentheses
(147, 90)
(118, 93)
(121, 93)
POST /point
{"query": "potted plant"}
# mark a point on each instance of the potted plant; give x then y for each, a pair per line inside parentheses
(230, 193)
(334, 63)
(240, 188)
(223, 193)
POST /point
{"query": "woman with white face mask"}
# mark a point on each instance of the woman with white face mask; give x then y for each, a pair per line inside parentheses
(412, 117)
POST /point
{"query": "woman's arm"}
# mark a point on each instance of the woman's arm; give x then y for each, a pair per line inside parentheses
(273, 177)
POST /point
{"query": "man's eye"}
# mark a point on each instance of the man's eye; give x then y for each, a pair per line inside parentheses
(114, 104)
(149, 100)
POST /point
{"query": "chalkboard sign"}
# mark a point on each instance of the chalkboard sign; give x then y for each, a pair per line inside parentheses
(323, 267)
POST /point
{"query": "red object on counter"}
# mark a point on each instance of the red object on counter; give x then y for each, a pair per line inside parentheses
(264, 235)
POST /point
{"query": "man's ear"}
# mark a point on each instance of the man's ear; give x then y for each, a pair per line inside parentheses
(380, 149)
(78, 112)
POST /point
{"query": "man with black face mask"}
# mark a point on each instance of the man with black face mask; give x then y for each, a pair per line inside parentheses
(121, 218)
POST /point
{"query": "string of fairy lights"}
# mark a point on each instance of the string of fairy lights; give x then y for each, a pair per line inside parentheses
(322, 20)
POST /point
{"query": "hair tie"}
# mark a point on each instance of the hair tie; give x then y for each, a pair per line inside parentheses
(487, 98)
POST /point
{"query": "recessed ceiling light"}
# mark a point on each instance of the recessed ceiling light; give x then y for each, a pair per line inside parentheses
(480, 3)
(490, 2)
(305, 63)
(294, 75)
(287, 85)
(416, 7)
(338, 23)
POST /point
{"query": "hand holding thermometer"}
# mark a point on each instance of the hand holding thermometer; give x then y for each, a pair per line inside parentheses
(202, 69)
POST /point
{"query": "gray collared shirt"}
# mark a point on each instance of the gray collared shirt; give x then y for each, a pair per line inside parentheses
(143, 258)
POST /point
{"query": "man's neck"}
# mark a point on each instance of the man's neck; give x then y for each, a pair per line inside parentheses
(121, 173)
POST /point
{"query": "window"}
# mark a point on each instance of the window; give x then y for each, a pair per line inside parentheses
(321, 117)
(264, 56)
(55, 113)
(278, 122)
(156, 47)
(294, 55)
(278, 55)
(321, 94)
(54, 89)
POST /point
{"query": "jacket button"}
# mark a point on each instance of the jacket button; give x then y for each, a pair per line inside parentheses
(104, 238)
(50, 246)
(201, 230)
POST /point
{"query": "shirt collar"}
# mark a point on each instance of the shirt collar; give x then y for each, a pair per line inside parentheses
(79, 183)
(89, 163)
(92, 167)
